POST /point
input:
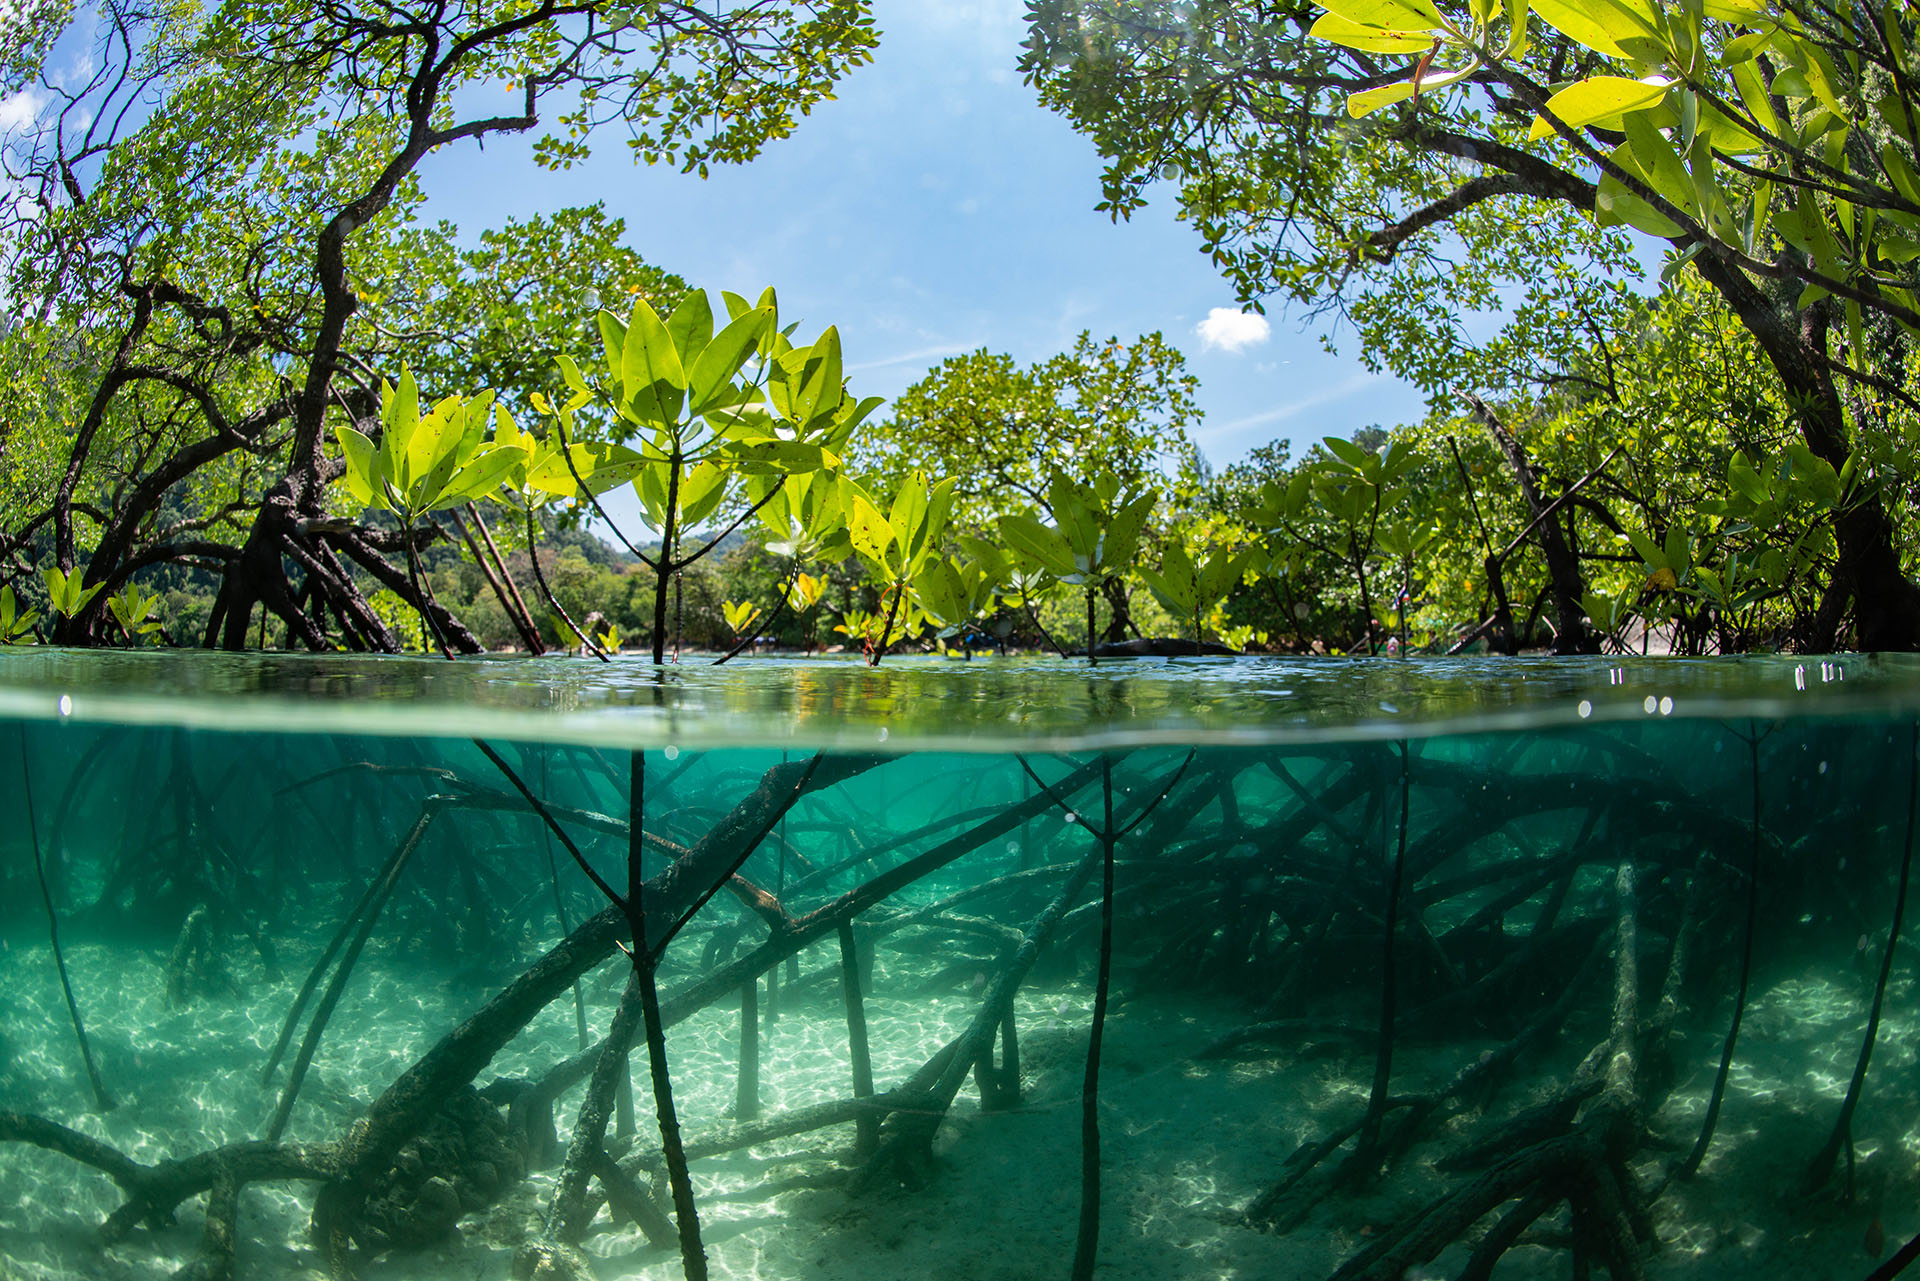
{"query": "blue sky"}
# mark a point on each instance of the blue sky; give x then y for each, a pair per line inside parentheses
(935, 208)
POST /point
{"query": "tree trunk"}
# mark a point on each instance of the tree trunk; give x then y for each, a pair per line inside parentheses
(1886, 604)
(1563, 569)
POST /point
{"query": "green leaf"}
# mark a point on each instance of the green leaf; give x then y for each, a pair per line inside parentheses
(1745, 480)
(1077, 515)
(701, 490)
(571, 373)
(1037, 543)
(722, 359)
(1599, 100)
(867, 528)
(819, 391)
(772, 456)
(1414, 14)
(650, 372)
(482, 476)
(1335, 29)
(691, 325)
(909, 511)
(1371, 100)
(1123, 531)
(1348, 452)
(1658, 164)
(361, 458)
(1218, 577)
(939, 508)
(1648, 551)
(1679, 550)
(399, 417)
(1601, 25)
(1176, 585)
(943, 592)
(604, 466)
(613, 340)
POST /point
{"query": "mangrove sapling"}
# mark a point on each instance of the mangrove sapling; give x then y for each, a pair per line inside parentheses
(1691, 1165)
(1095, 531)
(1821, 1167)
(102, 1100)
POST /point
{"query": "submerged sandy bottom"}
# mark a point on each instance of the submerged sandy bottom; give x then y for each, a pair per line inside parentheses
(1186, 1143)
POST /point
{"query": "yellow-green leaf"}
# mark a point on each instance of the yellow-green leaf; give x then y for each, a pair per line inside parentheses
(1362, 104)
(1353, 35)
(1600, 25)
(1401, 14)
(1599, 100)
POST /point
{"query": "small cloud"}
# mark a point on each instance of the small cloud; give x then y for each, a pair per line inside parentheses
(17, 110)
(1231, 330)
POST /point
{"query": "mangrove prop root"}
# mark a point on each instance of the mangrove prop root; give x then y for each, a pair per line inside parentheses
(1585, 1167)
(566, 1221)
(906, 1140)
(626, 1197)
(693, 1255)
(101, 1099)
(858, 1052)
(1821, 1166)
(464, 1052)
(216, 1252)
(1087, 1240)
(1691, 1165)
(337, 985)
(153, 1191)
(531, 1110)
(1286, 1204)
(1365, 1161)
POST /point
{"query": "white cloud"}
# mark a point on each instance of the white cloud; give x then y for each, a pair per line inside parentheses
(1232, 331)
(19, 109)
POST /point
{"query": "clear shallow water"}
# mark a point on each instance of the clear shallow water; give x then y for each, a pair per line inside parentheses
(927, 704)
(1269, 820)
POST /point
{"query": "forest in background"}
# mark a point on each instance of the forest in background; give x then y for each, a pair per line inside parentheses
(257, 394)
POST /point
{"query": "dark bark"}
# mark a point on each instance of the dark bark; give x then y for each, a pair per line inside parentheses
(1563, 569)
(1886, 604)
(857, 1050)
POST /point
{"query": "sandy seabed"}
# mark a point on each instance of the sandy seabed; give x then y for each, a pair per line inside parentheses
(1185, 1143)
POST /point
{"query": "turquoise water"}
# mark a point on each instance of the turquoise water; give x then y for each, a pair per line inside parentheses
(1555, 885)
